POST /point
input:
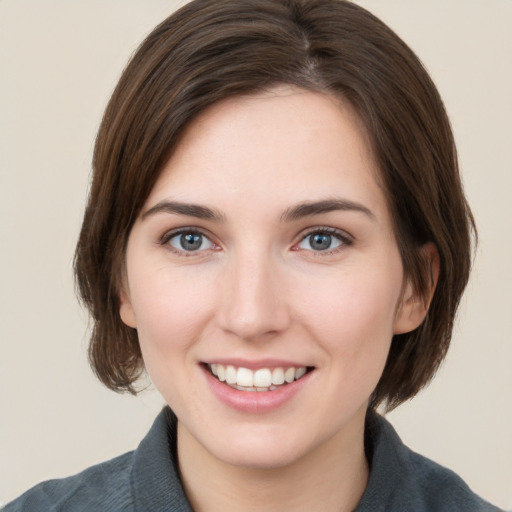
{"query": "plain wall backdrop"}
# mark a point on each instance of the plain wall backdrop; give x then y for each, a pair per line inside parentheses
(59, 61)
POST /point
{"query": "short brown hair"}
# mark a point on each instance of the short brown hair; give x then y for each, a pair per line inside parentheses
(210, 50)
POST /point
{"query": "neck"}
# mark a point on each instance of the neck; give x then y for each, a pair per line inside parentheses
(331, 478)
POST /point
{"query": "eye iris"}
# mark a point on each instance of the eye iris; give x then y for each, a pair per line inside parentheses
(320, 241)
(191, 241)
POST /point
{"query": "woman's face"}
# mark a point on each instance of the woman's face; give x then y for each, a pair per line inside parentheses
(265, 254)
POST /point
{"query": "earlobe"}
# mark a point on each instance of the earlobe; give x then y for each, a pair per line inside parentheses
(126, 310)
(414, 306)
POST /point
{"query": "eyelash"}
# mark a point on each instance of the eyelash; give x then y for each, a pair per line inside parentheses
(167, 237)
(344, 239)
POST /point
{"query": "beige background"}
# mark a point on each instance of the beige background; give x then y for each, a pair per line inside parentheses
(59, 60)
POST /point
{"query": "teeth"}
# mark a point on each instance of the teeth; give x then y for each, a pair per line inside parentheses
(300, 373)
(221, 373)
(278, 376)
(289, 375)
(244, 377)
(231, 377)
(263, 379)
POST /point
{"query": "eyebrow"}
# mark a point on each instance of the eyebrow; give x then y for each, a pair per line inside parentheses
(311, 208)
(187, 209)
(300, 211)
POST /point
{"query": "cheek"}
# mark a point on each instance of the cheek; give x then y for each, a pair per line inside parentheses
(352, 315)
(355, 332)
(171, 315)
(170, 311)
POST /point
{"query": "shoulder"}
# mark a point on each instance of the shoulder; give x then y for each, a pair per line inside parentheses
(105, 486)
(401, 479)
(145, 479)
(441, 489)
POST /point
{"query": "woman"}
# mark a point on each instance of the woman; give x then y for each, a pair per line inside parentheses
(276, 232)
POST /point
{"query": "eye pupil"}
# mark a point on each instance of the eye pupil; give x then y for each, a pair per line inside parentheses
(191, 241)
(320, 241)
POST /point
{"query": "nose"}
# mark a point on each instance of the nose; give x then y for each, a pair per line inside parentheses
(254, 304)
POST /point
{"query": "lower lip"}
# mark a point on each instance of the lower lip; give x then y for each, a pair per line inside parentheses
(255, 401)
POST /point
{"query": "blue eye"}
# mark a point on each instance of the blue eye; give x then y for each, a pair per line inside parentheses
(190, 241)
(321, 241)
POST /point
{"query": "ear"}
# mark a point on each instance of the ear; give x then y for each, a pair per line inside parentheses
(126, 311)
(413, 307)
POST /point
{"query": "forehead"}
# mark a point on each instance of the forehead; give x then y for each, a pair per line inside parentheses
(286, 143)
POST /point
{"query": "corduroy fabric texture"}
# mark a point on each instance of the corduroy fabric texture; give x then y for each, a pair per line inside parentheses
(146, 480)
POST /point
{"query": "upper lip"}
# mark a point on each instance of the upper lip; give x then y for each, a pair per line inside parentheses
(255, 364)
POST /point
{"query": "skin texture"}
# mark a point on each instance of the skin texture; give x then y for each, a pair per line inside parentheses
(257, 289)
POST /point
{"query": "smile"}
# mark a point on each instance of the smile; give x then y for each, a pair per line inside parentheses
(262, 379)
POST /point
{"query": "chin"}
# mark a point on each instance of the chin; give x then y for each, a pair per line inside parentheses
(256, 457)
(260, 448)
